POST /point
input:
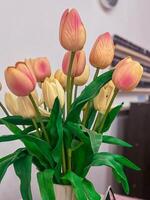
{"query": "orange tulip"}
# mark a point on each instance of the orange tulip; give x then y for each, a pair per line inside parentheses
(20, 80)
(41, 68)
(72, 34)
(127, 74)
(102, 53)
(79, 63)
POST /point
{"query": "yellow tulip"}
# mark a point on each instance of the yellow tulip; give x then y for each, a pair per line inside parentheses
(11, 103)
(102, 100)
(61, 77)
(83, 78)
(52, 89)
(26, 108)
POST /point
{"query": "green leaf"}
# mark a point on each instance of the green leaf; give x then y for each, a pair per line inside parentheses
(55, 130)
(22, 168)
(81, 158)
(17, 120)
(88, 94)
(90, 190)
(110, 118)
(95, 139)
(77, 131)
(6, 161)
(7, 138)
(92, 114)
(37, 147)
(55, 133)
(45, 181)
(77, 185)
(116, 141)
(122, 160)
(101, 159)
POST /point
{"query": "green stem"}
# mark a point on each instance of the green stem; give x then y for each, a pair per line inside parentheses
(36, 126)
(69, 82)
(4, 109)
(69, 153)
(96, 73)
(89, 104)
(107, 110)
(97, 121)
(63, 159)
(39, 117)
(75, 92)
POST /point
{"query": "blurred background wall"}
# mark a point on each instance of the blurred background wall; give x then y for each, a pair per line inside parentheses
(29, 28)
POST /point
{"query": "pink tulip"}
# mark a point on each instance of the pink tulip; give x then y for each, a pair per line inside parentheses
(41, 68)
(127, 74)
(79, 63)
(102, 53)
(72, 34)
(20, 80)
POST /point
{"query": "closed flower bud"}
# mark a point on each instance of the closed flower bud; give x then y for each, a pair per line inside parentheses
(102, 53)
(52, 89)
(78, 65)
(83, 78)
(11, 103)
(102, 100)
(72, 34)
(26, 109)
(61, 77)
(41, 68)
(127, 74)
(20, 80)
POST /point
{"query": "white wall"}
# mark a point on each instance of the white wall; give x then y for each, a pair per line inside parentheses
(29, 28)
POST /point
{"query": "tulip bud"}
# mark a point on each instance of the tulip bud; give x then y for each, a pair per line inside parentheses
(78, 65)
(61, 77)
(83, 78)
(127, 74)
(26, 108)
(102, 53)
(102, 100)
(51, 90)
(11, 103)
(41, 68)
(72, 34)
(19, 79)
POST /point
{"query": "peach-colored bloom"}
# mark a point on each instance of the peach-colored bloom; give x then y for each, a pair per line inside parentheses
(19, 79)
(127, 74)
(72, 34)
(83, 78)
(102, 53)
(79, 63)
(61, 77)
(41, 68)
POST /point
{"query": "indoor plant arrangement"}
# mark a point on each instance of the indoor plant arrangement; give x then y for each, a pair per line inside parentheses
(61, 130)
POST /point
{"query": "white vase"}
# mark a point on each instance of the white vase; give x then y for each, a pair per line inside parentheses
(64, 192)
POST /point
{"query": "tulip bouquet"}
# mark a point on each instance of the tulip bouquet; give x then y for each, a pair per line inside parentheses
(62, 130)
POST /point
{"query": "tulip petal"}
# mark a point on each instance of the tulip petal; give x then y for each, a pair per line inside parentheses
(18, 82)
(72, 31)
(41, 68)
